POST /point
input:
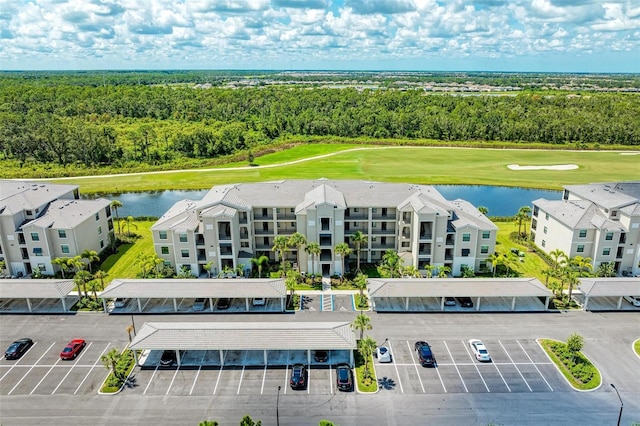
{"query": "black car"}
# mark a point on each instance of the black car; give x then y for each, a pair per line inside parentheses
(425, 355)
(321, 356)
(18, 348)
(168, 358)
(465, 302)
(344, 377)
(298, 376)
(223, 303)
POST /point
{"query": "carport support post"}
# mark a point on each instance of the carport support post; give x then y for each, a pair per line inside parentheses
(586, 302)
(246, 302)
(175, 305)
(546, 303)
(29, 304)
(139, 304)
(478, 303)
(135, 357)
(308, 356)
(513, 304)
(351, 359)
(619, 302)
(64, 305)
(221, 357)
(104, 305)
(211, 304)
(442, 303)
(178, 357)
(282, 304)
(265, 357)
(406, 303)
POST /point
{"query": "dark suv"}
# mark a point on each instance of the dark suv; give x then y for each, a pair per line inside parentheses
(425, 355)
(465, 302)
(298, 376)
(344, 377)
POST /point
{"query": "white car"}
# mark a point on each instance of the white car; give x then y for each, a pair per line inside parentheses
(199, 304)
(120, 302)
(259, 301)
(479, 350)
(383, 354)
(634, 300)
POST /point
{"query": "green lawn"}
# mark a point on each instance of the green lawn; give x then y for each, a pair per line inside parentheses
(532, 265)
(427, 165)
(122, 264)
(636, 347)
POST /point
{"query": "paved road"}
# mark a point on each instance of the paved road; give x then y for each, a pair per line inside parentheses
(512, 390)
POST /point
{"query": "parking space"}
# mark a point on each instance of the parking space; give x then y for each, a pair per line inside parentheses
(40, 371)
(186, 305)
(517, 366)
(606, 303)
(20, 306)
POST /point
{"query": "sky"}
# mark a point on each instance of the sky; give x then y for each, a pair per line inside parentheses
(430, 35)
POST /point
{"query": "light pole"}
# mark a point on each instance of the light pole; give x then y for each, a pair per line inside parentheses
(621, 404)
(133, 324)
(277, 408)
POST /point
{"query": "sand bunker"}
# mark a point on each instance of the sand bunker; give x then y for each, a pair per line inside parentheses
(556, 167)
(629, 153)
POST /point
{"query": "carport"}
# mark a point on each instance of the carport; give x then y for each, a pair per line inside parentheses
(195, 288)
(261, 336)
(597, 289)
(382, 290)
(37, 289)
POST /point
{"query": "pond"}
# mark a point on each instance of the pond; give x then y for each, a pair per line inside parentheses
(500, 200)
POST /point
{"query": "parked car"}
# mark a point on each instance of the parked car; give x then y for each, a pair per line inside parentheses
(383, 354)
(18, 348)
(449, 301)
(465, 302)
(120, 302)
(223, 303)
(168, 358)
(479, 350)
(199, 304)
(298, 376)
(259, 301)
(321, 356)
(344, 377)
(72, 349)
(425, 355)
(634, 300)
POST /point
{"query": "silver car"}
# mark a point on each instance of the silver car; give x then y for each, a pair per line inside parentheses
(479, 350)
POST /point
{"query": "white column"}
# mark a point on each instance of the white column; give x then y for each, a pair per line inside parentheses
(351, 360)
(586, 302)
(478, 303)
(64, 304)
(211, 304)
(406, 304)
(546, 303)
(513, 304)
(178, 357)
(175, 305)
(135, 358)
(246, 302)
(139, 304)
(221, 357)
(282, 304)
(442, 303)
(619, 302)
(104, 304)
(29, 304)
(265, 357)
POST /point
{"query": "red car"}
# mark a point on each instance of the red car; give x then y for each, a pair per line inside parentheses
(72, 349)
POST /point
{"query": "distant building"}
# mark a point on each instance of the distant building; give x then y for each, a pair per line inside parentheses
(41, 221)
(234, 223)
(600, 221)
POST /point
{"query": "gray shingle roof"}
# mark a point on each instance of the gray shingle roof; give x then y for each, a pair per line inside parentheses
(457, 287)
(66, 214)
(16, 196)
(193, 288)
(608, 195)
(468, 215)
(182, 213)
(244, 335)
(577, 214)
(35, 288)
(610, 286)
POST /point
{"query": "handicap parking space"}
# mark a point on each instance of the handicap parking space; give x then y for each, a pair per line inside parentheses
(311, 302)
(343, 302)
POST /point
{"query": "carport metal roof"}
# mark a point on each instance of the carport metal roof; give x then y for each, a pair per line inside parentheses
(35, 288)
(244, 335)
(193, 288)
(457, 287)
(594, 287)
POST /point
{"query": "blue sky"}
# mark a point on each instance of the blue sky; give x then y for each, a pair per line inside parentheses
(430, 35)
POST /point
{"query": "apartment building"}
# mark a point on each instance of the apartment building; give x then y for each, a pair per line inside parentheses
(600, 221)
(41, 221)
(234, 223)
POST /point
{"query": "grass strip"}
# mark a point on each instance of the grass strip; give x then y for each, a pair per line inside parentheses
(365, 385)
(636, 347)
(113, 384)
(573, 370)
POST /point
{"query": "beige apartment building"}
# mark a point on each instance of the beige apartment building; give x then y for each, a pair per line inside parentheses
(41, 221)
(600, 221)
(234, 223)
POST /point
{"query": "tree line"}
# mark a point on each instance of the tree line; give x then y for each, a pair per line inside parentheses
(113, 125)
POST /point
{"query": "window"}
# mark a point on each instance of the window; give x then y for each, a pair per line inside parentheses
(265, 241)
(374, 225)
(293, 210)
(583, 233)
(98, 216)
(466, 237)
(483, 264)
(184, 252)
(465, 252)
(486, 234)
(244, 244)
(545, 230)
(183, 238)
(609, 236)
(101, 244)
(546, 216)
(374, 210)
(64, 248)
(99, 230)
(405, 244)
(355, 210)
(606, 251)
(544, 243)
(42, 267)
(35, 236)
(37, 251)
(29, 213)
(62, 233)
(484, 249)
(580, 248)
(164, 250)
(162, 235)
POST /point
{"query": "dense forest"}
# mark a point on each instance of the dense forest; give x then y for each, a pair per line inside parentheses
(82, 120)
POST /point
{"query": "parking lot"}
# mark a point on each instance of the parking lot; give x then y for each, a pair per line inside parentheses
(517, 366)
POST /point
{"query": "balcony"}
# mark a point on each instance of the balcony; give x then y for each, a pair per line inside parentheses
(451, 240)
(199, 239)
(426, 236)
(260, 231)
(226, 250)
(224, 236)
(286, 216)
(381, 231)
(244, 235)
(361, 214)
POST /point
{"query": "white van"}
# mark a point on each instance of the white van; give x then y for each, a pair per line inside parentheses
(634, 300)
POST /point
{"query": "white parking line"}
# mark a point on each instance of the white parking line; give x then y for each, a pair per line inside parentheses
(89, 372)
(219, 374)
(505, 382)
(416, 367)
(536, 367)
(330, 375)
(393, 359)
(264, 376)
(150, 380)
(475, 365)
(286, 374)
(440, 377)
(519, 372)
(195, 379)
(173, 379)
(16, 363)
(454, 364)
(308, 379)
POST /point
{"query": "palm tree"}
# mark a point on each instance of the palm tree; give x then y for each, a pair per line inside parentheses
(483, 210)
(290, 282)
(129, 221)
(297, 240)
(81, 279)
(260, 262)
(606, 269)
(524, 211)
(361, 323)
(428, 268)
(495, 259)
(559, 258)
(343, 250)
(63, 263)
(582, 265)
(100, 275)
(366, 347)
(110, 361)
(93, 286)
(572, 279)
(360, 282)
(509, 260)
(91, 256)
(313, 248)
(115, 205)
(391, 265)
(3, 265)
(281, 246)
(358, 239)
(443, 271)
(411, 271)
(76, 263)
(208, 266)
